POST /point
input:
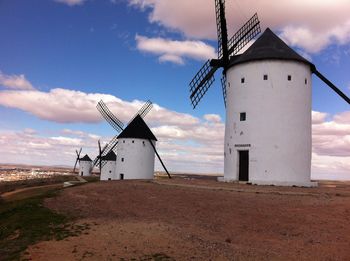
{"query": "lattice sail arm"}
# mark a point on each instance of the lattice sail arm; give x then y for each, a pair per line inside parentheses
(221, 27)
(143, 111)
(223, 85)
(96, 160)
(244, 35)
(331, 85)
(201, 83)
(109, 116)
(111, 146)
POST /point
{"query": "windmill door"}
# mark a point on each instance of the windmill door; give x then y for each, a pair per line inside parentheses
(243, 165)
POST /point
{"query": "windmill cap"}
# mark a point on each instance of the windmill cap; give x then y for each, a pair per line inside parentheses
(110, 156)
(138, 129)
(268, 46)
(85, 158)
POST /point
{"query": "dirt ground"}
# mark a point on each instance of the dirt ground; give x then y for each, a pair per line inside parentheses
(192, 219)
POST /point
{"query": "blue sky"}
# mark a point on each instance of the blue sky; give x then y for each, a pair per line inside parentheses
(116, 48)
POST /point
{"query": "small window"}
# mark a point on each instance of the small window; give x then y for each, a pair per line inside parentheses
(242, 80)
(133, 141)
(143, 143)
(289, 77)
(265, 77)
(123, 141)
(122, 159)
(110, 171)
(242, 116)
(305, 81)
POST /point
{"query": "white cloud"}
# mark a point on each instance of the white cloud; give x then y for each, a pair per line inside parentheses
(212, 117)
(318, 117)
(314, 42)
(71, 2)
(306, 24)
(174, 51)
(36, 148)
(68, 106)
(67, 141)
(186, 143)
(171, 58)
(15, 82)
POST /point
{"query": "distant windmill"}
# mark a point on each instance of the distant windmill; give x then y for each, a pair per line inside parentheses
(267, 95)
(142, 133)
(85, 164)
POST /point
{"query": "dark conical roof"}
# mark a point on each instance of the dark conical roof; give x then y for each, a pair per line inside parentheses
(268, 46)
(85, 158)
(110, 156)
(137, 129)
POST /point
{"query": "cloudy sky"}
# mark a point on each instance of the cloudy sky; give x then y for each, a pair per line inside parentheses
(58, 58)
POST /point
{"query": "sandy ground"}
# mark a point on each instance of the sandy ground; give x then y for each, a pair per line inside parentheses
(201, 220)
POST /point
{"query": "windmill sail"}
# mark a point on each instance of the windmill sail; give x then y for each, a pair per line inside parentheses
(109, 116)
(331, 85)
(204, 78)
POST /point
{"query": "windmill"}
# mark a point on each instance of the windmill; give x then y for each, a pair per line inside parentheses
(267, 95)
(78, 159)
(119, 127)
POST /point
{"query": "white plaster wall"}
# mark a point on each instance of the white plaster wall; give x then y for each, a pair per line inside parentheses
(138, 156)
(278, 124)
(108, 171)
(85, 168)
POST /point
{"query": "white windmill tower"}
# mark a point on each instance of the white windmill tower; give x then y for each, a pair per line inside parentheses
(135, 147)
(267, 95)
(85, 166)
(136, 151)
(108, 170)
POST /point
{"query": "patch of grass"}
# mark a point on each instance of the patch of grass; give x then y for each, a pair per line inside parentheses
(13, 185)
(153, 257)
(92, 178)
(25, 222)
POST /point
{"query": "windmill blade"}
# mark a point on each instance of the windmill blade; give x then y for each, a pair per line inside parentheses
(75, 165)
(96, 160)
(111, 145)
(103, 163)
(99, 153)
(201, 82)
(154, 148)
(143, 111)
(100, 158)
(109, 116)
(78, 158)
(78, 154)
(223, 85)
(221, 27)
(244, 35)
(331, 85)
